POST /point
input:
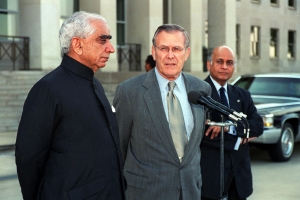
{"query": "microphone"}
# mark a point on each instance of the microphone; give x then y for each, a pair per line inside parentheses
(202, 98)
(239, 115)
(198, 98)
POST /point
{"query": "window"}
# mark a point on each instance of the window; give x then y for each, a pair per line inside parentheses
(120, 22)
(292, 3)
(254, 41)
(67, 8)
(291, 44)
(9, 17)
(273, 43)
(238, 41)
(274, 2)
(165, 11)
(206, 34)
(277, 86)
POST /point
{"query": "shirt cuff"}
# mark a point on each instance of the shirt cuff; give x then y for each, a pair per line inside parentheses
(237, 144)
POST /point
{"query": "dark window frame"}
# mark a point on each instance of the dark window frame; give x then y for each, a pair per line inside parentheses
(255, 41)
(291, 51)
(274, 43)
(121, 23)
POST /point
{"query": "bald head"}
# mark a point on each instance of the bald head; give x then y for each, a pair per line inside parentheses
(222, 48)
(221, 66)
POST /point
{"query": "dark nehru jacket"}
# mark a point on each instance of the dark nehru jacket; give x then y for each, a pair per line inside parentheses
(67, 144)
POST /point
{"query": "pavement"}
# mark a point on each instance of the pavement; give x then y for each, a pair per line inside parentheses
(9, 184)
(7, 140)
(271, 180)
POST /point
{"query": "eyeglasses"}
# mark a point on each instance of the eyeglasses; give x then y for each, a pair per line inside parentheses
(166, 49)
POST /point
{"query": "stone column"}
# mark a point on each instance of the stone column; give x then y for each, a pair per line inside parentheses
(188, 14)
(222, 23)
(39, 19)
(143, 18)
(108, 10)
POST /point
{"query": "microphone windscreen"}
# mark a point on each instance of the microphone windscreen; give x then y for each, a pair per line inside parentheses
(203, 93)
(193, 96)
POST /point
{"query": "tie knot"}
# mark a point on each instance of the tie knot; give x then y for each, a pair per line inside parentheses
(171, 86)
(222, 89)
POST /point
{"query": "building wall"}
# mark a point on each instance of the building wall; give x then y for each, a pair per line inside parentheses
(40, 20)
(267, 16)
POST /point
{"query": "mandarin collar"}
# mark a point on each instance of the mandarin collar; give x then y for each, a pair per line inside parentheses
(77, 68)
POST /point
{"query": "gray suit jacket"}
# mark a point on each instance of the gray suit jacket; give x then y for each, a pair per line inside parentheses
(152, 168)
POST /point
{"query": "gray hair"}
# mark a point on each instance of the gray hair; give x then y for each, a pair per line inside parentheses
(169, 28)
(78, 25)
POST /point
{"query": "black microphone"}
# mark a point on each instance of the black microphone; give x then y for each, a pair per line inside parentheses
(239, 115)
(198, 98)
(202, 98)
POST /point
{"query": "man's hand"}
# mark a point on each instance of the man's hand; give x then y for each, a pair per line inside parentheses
(214, 130)
(245, 140)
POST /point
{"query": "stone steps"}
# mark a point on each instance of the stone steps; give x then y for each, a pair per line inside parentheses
(14, 87)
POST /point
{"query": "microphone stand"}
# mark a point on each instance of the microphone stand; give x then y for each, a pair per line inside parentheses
(222, 124)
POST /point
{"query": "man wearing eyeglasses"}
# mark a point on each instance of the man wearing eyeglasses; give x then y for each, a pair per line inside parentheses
(237, 170)
(160, 131)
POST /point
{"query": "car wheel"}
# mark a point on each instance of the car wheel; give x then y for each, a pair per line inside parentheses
(283, 149)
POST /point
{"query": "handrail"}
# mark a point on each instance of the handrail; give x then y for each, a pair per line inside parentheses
(13, 49)
(14, 53)
(129, 55)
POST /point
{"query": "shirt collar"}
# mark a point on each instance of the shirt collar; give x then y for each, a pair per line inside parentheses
(163, 82)
(77, 68)
(217, 85)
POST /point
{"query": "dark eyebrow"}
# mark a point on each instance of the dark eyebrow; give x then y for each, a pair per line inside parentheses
(105, 37)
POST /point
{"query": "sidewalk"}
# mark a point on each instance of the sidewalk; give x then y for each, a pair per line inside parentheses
(7, 140)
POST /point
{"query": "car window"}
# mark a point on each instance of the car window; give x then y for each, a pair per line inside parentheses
(275, 86)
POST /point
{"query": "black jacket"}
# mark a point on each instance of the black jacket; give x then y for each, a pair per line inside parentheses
(240, 101)
(67, 143)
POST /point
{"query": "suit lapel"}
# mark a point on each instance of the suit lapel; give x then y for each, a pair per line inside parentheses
(154, 103)
(108, 110)
(198, 117)
(214, 93)
(234, 100)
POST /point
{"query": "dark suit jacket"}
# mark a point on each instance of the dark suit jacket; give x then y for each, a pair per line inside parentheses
(240, 101)
(67, 143)
(152, 167)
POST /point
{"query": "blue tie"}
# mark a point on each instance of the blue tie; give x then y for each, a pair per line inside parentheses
(223, 97)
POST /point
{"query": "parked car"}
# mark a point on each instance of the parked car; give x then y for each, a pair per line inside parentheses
(277, 99)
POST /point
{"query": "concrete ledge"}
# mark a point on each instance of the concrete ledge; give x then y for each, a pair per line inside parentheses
(4, 148)
(8, 139)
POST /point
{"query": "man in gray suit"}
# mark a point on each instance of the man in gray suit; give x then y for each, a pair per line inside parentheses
(154, 168)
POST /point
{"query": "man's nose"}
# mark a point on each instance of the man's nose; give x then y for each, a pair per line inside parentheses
(110, 48)
(170, 53)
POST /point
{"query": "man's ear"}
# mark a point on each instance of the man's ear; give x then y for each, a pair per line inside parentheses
(76, 44)
(153, 52)
(187, 53)
(208, 65)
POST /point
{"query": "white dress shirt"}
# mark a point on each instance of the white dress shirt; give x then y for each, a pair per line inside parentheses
(232, 129)
(181, 94)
